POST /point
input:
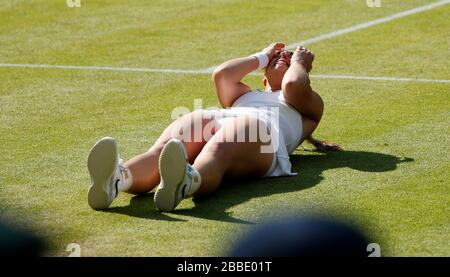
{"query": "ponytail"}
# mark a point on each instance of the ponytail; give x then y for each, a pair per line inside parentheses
(324, 146)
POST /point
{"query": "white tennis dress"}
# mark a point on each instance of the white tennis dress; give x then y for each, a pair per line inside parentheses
(283, 121)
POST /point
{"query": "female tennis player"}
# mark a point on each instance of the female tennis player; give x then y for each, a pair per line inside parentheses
(251, 136)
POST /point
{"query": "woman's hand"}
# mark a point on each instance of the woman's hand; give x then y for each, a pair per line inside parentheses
(303, 56)
(273, 49)
(324, 146)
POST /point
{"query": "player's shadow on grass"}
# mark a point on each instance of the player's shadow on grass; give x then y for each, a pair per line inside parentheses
(142, 206)
(309, 167)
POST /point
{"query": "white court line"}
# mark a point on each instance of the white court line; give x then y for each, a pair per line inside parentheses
(368, 24)
(360, 26)
(106, 68)
(180, 71)
(306, 42)
(374, 78)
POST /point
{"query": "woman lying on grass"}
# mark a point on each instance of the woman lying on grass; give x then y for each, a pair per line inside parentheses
(252, 136)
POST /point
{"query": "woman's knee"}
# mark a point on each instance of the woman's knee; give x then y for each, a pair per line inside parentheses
(217, 150)
(191, 127)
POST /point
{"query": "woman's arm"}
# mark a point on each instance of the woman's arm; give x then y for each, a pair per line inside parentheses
(227, 79)
(227, 76)
(296, 86)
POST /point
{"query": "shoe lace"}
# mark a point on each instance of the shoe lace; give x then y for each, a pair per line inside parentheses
(122, 166)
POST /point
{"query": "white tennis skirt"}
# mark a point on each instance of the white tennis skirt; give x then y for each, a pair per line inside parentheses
(281, 165)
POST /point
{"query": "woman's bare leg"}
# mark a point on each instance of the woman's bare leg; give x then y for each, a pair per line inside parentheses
(144, 167)
(219, 158)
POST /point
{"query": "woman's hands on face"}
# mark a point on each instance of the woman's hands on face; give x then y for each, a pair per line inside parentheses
(303, 56)
(273, 49)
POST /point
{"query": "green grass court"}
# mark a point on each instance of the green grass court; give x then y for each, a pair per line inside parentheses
(393, 178)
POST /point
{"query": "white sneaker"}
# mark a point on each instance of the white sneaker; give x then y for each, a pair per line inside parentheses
(104, 167)
(176, 178)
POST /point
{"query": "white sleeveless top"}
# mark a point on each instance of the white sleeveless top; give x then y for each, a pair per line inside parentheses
(290, 120)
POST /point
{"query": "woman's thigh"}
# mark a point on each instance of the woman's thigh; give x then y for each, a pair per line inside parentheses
(194, 130)
(242, 152)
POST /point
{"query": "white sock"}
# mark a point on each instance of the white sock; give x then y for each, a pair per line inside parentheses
(127, 178)
(196, 180)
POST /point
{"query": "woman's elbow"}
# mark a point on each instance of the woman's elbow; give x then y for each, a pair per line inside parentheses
(298, 83)
(220, 72)
(215, 74)
(219, 76)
